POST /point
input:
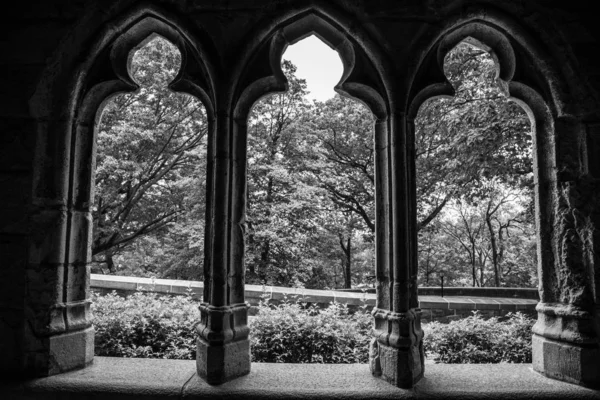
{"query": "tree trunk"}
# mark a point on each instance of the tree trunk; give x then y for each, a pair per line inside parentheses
(348, 282)
(494, 244)
(110, 264)
(347, 261)
(473, 263)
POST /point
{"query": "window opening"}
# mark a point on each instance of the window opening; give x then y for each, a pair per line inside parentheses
(150, 174)
(310, 214)
(475, 180)
(310, 180)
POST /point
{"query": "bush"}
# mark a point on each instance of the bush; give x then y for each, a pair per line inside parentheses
(148, 325)
(477, 340)
(294, 332)
(145, 325)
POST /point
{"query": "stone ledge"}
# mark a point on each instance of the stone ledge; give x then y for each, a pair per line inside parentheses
(122, 378)
(253, 294)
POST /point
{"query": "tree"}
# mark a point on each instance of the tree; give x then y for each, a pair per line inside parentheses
(473, 159)
(477, 134)
(306, 192)
(280, 206)
(345, 169)
(151, 156)
(493, 234)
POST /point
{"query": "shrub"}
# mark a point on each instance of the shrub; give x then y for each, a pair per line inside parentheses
(477, 340)
(145, 325)
(148, 325)
(293, 332)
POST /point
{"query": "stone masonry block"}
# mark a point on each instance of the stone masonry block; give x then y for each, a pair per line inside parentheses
(44, 284)
(222, 363)
(78, 315)
(58, 353)
(85, 165)
(78, 282)
(80, 240)
(401, 367)
(51, 163)
(48, 237)
(70, 351)
(45, 321)
(567, 361)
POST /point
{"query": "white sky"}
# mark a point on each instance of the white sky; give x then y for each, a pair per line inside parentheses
(318, 63)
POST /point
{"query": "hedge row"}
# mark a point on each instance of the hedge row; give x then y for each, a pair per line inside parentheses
(148, 325)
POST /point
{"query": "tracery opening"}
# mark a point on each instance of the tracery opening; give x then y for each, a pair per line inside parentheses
(475, 179)
(150, 190)
(310, 188)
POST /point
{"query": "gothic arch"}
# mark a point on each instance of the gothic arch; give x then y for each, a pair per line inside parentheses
(533, 79)
(362, 79)
(67, 108)
(366, 78)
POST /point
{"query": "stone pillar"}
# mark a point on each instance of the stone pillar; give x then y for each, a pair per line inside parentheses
(58, 335)
(566, 337)
(396, 352)
(223, 345)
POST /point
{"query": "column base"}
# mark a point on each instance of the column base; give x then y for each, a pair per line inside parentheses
(402, 368)
(567, 362)
(217, 364)
(396, 353)
(566, 345)
(61, 353)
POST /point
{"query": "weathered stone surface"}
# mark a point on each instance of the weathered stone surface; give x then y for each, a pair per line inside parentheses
(391, 51)
(151, 379)
(51, 163)
(81, 237)
(78, 282)
(221, 363)
(70, 351)
(567, 361)
(396, 352)
(48, 237)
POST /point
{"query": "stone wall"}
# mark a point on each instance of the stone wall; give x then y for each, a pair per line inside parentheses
(434, 308)
(60, 60)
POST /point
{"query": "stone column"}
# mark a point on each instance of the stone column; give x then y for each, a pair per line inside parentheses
(566, 337)
(57, 334)
(223, 346)
(396, 350)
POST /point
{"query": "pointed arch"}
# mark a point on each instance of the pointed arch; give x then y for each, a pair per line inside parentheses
(520, 58)
(260, 74)
(66, 104)
(542, 83)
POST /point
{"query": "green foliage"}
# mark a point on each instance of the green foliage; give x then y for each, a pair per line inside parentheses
(310, 190)
(477, 341)
(474, 180)
(310, 217)
(151, 326)
(145, 325)
(150, 174)
(293, 332)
